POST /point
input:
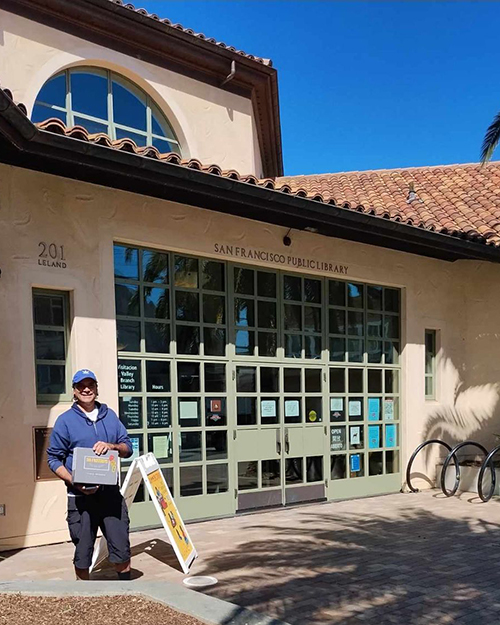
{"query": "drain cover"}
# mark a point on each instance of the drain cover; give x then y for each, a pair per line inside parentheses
(200, 581)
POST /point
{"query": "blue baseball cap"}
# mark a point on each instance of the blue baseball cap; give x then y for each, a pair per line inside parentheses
(82, 375)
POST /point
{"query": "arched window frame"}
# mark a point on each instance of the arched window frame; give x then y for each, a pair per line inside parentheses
(113, 129)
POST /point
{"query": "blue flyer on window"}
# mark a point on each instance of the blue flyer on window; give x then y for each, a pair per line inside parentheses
(373, 436)
(373, 409)
(390, 436)
(355, 463)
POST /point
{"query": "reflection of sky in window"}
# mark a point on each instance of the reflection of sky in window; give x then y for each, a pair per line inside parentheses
(54, 91)
(125, 259)
(89, 94)
(128, 108)
(353, 290)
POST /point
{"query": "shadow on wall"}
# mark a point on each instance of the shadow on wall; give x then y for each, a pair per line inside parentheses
(363, 567)
(472, 414)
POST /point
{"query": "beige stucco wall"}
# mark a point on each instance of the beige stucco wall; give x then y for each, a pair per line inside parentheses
(459, 299)
(213, 125)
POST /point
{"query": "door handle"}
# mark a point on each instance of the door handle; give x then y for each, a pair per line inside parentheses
(278, 448)
(287, 442)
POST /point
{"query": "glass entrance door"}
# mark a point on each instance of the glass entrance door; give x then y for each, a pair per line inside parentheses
(280, 435)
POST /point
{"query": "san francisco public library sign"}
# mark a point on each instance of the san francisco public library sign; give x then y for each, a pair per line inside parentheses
(287, 260)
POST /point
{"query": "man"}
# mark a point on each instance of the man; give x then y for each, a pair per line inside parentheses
(89, 423)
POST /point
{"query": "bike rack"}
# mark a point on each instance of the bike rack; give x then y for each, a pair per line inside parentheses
(451, 455)
(417, 450)
(484, 466)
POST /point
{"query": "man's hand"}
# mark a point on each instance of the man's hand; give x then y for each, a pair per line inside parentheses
(101, 448)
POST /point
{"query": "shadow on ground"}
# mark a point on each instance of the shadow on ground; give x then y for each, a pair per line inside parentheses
(419, 568)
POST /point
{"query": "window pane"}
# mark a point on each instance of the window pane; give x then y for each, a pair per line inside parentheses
(355, 377)
(156, 303)
(50, 379)
(214, 309)
(313, 410)
(157, 337)
(374, 325)
(266, 314)
(429, 386)
(164, 147)
(336, 293)
(214, 340)
(159, 126)
(217, 479)
(292, 380)
(312, 319)
(374, 297)
(312, 291)
(215, 378)
(391, 300)
(266, 284)
(48, 310)
(213, 275)
(337, 350)
(355, 349)
(126, 262)
(243, 281)
(355, 295)
(337, 380)
(215, 411)
(244, 312)
(54, 91)
(313, 380)
(127, 300)
(391, 381)
(312, 346)
(129, 108)
(338, 467)
(140, 140)
(391, 327)
(293, 317)
(269, 380)
(168, 474)
(293, 410)
(159, 412)
(245, 342)
(186, 272)
(356, 465)
(268, 343)
(293, 346)
(49, 345)
(374, 349)
(40, 113)
(191, 481)
(314, 468)
(128, 336)
(246, 411)
(189, 412)
(246, 381)
(188, 377)
(157, 376)
(355, 323)
(391, 461)
(155, 267)
(375, 381)
(89, 94)
(130, 412)
(294, 471)
(216, 442)
(161, 446)
(337, 321)
(271, 474)
(190, 446)
(247, 475)
(292, 288)
(187, 306)
(375, 463)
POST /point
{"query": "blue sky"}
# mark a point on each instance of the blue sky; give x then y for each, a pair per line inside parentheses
(366, 85)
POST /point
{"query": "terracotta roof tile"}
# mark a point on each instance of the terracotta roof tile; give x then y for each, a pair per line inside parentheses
(460, 199)
(190, 31)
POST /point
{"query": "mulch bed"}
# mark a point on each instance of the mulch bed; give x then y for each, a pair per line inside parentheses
(16, 609)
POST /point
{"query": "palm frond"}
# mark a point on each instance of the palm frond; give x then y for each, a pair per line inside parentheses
(491, 139)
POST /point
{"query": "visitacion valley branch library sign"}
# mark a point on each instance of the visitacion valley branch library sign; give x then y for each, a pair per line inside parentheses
(286, 260)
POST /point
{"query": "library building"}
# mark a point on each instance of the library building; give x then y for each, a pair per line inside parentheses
(273, 340)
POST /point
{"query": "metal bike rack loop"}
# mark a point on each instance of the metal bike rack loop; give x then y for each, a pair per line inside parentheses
(484, 466)
(414, 454)
(451, 455)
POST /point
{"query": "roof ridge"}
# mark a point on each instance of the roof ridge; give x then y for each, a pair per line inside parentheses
(393, 170)
(190, 31)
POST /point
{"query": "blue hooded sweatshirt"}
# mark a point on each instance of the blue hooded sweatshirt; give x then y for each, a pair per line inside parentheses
(74, 429)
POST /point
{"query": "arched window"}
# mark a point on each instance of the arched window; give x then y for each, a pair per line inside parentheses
(102, 101)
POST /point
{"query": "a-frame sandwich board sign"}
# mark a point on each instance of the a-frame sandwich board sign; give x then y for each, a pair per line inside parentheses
(146, 468)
